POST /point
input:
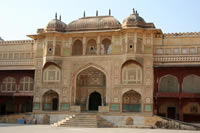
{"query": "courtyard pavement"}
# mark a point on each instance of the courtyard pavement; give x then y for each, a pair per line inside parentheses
(16, 128)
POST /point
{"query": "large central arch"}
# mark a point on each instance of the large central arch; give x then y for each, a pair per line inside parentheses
(88, 81)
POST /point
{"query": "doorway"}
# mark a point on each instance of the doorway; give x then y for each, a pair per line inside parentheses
(3, 109)
(55, 104)
(171, 112)
(94, 101)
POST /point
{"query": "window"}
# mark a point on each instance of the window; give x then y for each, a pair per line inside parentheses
(9, 84)
(192, 50)
(167, 51)
(26, 84)
(194, 109)
(51, 74)
(91, 47)
(159, 51)
(168, 83)
(176, 51)
(198, 50)
(77, 48)
(191, 84)
(106, 47)
(131, 73)
(184, 50)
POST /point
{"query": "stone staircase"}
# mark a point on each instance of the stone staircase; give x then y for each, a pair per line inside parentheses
(88, 120)
(103, 122)
(82, 120)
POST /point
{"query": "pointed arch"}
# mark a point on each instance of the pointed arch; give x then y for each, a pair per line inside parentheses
(191, 84)
(51, 72)
(106, 46)
(87, 79)
(168, 83)
(131, 72)
(9, 84)
(26, 83)
(131, 101)
(50, 100)
(77, 47)
(91, 47)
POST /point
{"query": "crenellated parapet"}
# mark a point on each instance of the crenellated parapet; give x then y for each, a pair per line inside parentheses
(181, 34)
(17, 42)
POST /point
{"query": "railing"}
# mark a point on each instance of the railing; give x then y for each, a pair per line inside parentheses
(163, 59)
(173, 121)
(17, 62)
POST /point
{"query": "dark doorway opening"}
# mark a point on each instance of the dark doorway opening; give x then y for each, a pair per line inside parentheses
(171, 112)
(3, 109)
(94, 101)
(55, 104)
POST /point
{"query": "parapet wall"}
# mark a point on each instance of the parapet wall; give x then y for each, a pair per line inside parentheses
(183, 34)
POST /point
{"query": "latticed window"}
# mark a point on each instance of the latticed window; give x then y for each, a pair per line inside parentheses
(131, 74)
(51, 74)
(9, 84)
(26, 84)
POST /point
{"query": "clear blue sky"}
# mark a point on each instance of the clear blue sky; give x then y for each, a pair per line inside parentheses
(21, 17)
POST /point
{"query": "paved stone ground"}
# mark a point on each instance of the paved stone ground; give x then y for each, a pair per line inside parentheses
(15, 128)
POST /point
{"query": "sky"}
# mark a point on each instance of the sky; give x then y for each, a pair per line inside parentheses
(19, 18)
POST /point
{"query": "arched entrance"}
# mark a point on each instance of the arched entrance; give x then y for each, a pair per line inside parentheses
(94, 101)
(131, 102)
(90, 84)
(50, 101)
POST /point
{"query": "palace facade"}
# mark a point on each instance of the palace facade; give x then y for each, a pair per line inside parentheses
(96, 63)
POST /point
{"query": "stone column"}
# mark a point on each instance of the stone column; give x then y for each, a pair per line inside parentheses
(143, 42)
(84, 45)
(180, 110)
(71, 44)
(135, 42)
(98, 45)
(126, 43)
(54, 45)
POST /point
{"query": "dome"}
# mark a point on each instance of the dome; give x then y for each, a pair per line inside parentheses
(134, 20)
(94, 23)
(1, 39)
(56, 25)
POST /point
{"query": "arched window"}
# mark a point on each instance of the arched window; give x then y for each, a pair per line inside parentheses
(91, 47)
(131, 73)
(26, 84)
(51, 74)
(168, 83)
(77, 48)
(106, 47)
(9, 84)
(191, 84)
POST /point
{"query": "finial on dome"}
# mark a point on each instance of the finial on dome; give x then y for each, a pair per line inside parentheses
(109, 12)
(137, 12)
(56, 15)
(96, 12)
(134, 11)
(84, 14)
(60, 18)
